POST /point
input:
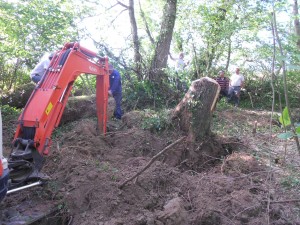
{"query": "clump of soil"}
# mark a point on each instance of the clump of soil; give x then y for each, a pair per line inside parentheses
(210, 182)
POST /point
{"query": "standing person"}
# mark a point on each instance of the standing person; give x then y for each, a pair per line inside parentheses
(179, 67)
(236, 83)
(224, 84)
(39, 70)
(180, 63)
(115, 90)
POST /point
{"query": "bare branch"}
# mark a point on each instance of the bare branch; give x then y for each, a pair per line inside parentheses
(146, 24)
(117, 16)
(122, 4)
(154, 158)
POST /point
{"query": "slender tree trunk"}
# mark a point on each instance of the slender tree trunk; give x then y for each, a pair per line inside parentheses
(207, 56)
(228, 55)
(135, 38)
(86, 88)
(196, 61)
(285, 83)
(296, 22)
(162, 48)
(14, 77)
(211, 55)
(146, 25)
(272, 75)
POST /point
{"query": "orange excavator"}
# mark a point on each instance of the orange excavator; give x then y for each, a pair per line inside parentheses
(44, 109)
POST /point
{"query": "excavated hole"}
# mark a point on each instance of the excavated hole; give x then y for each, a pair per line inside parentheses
(200, 157)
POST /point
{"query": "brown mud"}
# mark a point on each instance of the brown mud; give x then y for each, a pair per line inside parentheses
(216, 181)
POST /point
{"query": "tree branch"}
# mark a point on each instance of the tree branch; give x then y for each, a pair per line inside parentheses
(154, 158)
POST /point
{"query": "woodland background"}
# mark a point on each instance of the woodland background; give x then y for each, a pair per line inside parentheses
(262, 37)
(253, 151)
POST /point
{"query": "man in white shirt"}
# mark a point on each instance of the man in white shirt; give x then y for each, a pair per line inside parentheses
(39, 70)
(236, 83)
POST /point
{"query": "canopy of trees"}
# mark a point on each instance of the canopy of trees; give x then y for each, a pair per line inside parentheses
(139, 35)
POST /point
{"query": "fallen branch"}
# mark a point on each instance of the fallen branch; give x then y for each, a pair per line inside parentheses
(153, 159)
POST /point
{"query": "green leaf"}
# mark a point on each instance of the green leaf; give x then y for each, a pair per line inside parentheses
(298, 130)
(284, 119)
(285, 136)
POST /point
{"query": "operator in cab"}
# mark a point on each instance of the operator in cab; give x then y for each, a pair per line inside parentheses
(115, 90)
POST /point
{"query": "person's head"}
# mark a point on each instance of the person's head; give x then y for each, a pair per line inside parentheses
(110, 69)
(181, 55)
(237, 70)
(51, 56)
(221, 73)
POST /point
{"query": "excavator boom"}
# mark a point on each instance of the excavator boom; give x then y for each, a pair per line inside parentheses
(44, 109)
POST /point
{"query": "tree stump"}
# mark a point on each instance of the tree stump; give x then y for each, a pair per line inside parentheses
(194, 112)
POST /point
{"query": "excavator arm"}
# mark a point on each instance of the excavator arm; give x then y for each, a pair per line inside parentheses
(44, 109)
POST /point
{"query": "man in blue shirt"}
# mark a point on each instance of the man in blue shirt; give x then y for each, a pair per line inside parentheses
(115, 90)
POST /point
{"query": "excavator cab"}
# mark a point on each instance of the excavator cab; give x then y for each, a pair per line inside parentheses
(44, 109)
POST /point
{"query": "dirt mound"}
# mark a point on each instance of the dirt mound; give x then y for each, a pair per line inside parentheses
(240, 163)
(210, 182)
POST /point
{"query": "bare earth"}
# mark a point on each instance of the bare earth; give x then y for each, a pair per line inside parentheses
(233, 177)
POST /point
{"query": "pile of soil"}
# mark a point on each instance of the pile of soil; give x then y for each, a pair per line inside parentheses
(215, 181)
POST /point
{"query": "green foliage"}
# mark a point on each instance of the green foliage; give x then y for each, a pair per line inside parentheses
(29, 29)
(149, 94)
(209, 32)
(35, 26)
(298, 128)
(9, 113)
(84, 85)
(284, 119)
(139, 93)
(290, 182)
(156, 121)
(286, 135)
(259, 90)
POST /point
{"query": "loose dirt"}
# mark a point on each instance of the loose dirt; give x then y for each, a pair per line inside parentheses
(221, 180)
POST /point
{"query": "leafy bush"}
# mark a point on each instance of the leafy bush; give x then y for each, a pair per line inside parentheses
(149, 94)
(9, 113)
(259, 91)
(156, 121)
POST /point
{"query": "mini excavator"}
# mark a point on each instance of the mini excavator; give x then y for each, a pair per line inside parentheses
(43, 112)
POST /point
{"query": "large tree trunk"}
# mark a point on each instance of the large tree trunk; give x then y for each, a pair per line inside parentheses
(194, 112)
(162, 48)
